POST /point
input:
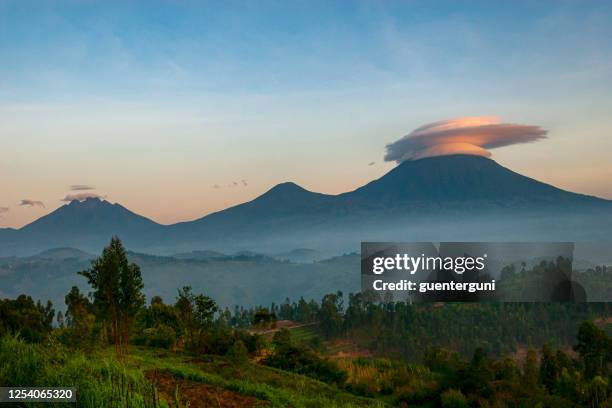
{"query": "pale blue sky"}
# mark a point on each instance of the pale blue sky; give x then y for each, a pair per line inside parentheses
(154, 103)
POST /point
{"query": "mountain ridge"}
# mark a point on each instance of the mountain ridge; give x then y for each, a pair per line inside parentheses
(288, 216)
(445, 183)
(91, 209)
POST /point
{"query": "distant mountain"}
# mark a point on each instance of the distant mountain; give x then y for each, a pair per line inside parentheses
(200, 255)
(452, 180)
(441, 198)
(91, 215)
(86, 225)
(299, 255)
(62, 254)
(417, 200)
(283, 201)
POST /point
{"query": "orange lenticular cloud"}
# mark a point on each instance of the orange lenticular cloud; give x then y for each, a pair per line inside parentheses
(467, 135)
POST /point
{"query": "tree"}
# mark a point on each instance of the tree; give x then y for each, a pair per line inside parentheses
(330, 314)
(77, 305)
(31, 320)
(79, 318)
(531, 372)
(594, 348)
(238, 352)
(304, 312)
(60, 320)
(549, 368)
(117, 292)
(478, 374)
(157, 325)
(452, 398)
(597, 392)
(196, 313)
(131, 299)
(286, 310)
(159, 313)
(263, 318)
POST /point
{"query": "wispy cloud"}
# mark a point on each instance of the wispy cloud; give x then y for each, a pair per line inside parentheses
(467, 135)
(31, 203)
(81, 196)
(81, 187)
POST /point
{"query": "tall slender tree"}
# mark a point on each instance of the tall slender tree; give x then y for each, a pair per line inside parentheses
(117, 292)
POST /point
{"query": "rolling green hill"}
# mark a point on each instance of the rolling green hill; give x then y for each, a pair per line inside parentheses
(246, 280)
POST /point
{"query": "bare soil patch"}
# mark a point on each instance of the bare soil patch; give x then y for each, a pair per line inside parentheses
(198, 394)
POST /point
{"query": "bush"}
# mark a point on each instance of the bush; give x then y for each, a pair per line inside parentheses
(282, 338)
(238, 352)
(452, 398)
(86, 336)
(31, 320)
(418, 392)
(305, 361)
(253, 342)
(219, 339)
(316, 344)
(159, 336)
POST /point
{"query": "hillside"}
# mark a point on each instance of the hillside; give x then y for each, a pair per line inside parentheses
(86, 225)
(460, 179)
(157, 378)
(231, 280)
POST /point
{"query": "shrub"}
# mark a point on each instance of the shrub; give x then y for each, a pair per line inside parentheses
(31, 320)
(305, 361)
(238, 352)
(159, 336)
(282, 338)
(253, 342)
(452, 398)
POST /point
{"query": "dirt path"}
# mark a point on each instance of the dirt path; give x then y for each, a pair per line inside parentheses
(198, 395)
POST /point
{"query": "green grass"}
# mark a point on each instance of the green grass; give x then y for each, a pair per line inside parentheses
(104, 381)
(100, 380)
(303, 334)
(280, 388)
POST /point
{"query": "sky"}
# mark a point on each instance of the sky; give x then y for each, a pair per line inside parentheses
(179, 109)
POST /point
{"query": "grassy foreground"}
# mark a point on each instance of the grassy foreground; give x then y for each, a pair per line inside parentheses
(157, 378)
